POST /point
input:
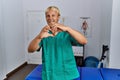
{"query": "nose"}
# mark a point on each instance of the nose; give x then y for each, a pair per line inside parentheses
(51, 17)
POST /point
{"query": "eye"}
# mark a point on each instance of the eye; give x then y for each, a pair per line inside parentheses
(53, 15)
(47, 15)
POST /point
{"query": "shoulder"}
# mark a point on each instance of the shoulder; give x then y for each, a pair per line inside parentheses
(65, 33)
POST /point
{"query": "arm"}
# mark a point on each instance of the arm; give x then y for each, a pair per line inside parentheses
(34, 44)
(75, 34)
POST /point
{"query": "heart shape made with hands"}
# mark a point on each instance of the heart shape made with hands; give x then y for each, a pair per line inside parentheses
(54, 30)
(53, 27)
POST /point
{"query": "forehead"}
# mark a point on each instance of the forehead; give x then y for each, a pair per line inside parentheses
(51, 11)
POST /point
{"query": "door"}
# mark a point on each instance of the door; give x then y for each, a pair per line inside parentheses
(35, 22)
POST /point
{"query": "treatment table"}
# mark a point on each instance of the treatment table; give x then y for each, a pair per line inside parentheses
(86, 73)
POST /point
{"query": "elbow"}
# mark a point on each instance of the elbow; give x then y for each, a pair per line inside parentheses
(84, 42)
(30, 50)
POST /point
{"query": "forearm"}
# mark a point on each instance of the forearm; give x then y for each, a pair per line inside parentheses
(34, 45)
(77, 35)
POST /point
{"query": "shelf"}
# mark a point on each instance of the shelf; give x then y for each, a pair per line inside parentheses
(79, 55)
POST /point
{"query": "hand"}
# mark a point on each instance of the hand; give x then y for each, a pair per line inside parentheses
(44, 32)
(61, 26)
(54, 30)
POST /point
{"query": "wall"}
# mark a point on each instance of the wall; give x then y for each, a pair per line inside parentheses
(1, 59)
(115, 36)
(11, 35)
(76, 8)
(2, 55)
(1, 52)
(106, 16)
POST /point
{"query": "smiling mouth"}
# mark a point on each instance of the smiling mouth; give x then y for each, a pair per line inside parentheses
(51, 23)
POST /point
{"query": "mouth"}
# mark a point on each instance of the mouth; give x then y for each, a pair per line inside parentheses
(51, 23)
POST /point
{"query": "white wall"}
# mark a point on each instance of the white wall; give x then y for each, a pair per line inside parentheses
(12, 35)
(2, 55)
(115, 36)
(106, 16)
(1, 59)
(1, 52)
(76, 8)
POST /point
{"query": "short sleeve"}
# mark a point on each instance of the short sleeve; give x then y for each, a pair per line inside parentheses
(40, 44)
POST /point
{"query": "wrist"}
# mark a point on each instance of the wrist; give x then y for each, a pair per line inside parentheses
(39, 37)
(68, 29)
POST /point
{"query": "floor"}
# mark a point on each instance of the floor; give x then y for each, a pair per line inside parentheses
(21, 74)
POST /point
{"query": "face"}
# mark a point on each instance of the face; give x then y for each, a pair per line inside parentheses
(52, 17)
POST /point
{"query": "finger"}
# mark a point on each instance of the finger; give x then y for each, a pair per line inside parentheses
(58, 27)
(46, 29)
(55, 29)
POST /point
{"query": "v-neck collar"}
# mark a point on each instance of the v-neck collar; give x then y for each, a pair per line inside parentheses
(50, 32)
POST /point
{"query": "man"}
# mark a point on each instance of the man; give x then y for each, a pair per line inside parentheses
(56, 40)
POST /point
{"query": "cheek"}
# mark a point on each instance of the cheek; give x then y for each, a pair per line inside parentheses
(56, 19)
(48, 20)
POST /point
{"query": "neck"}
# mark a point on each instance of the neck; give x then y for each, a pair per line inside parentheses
(54, 32)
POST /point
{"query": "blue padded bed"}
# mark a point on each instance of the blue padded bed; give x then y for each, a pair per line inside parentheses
(86, 73)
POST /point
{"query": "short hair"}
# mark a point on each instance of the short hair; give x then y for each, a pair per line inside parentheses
(53, 8)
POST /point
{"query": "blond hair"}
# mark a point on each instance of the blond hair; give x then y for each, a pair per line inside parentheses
(53, 8)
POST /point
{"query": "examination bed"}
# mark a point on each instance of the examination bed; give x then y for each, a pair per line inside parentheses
(86, 73)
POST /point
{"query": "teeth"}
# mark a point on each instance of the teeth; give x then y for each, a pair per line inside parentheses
(52, 20)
